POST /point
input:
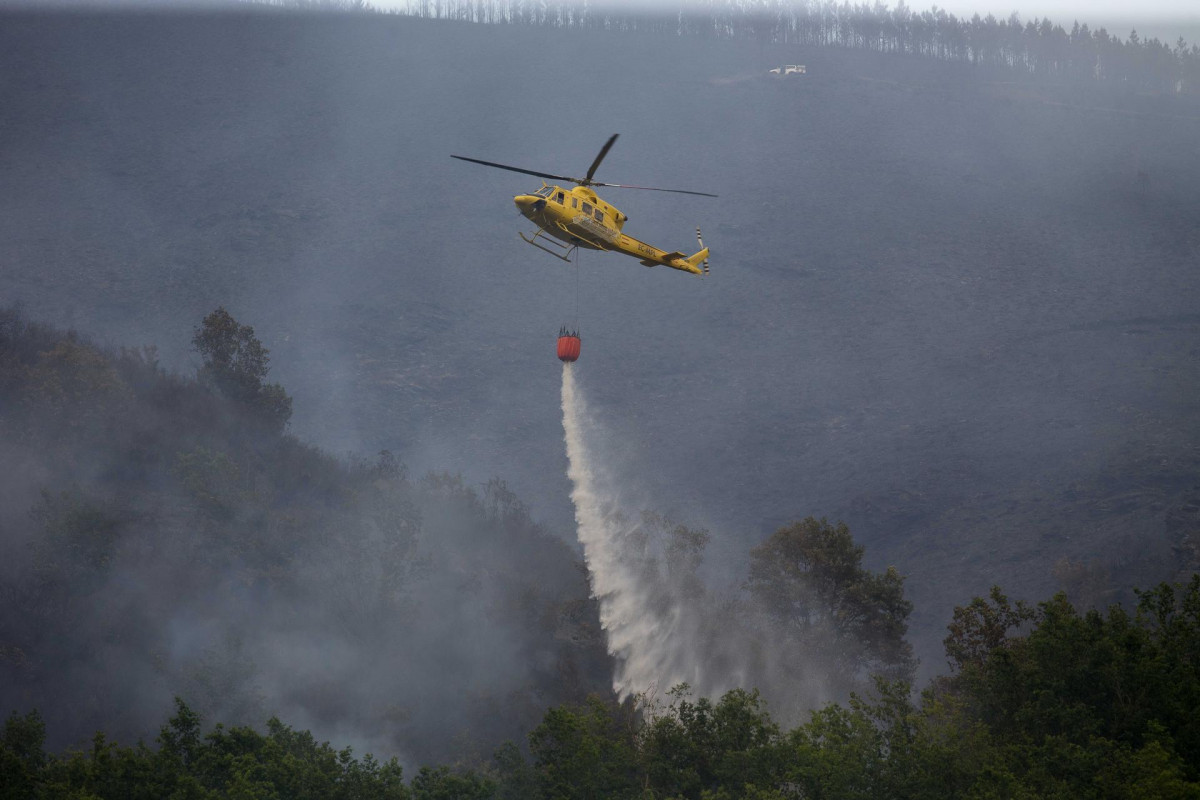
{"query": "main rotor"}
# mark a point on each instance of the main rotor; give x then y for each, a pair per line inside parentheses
(587, 179)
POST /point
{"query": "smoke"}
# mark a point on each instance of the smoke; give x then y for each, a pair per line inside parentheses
(152, 548)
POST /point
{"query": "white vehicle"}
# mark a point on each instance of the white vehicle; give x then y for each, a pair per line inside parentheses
(789, 69)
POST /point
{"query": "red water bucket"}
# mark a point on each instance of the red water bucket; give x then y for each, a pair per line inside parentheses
(568, 345)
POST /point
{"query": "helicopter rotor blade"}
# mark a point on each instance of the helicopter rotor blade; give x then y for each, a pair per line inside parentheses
(603, 152)
(652, 189)
(581, 181)
(518, 169)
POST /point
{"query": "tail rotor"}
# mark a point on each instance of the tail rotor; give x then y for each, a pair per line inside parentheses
(701, 241)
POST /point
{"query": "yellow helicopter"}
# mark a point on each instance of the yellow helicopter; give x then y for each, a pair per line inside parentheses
(580, 218)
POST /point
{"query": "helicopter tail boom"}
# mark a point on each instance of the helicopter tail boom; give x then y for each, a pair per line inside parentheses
(699, 261)
(694, 264)
(651, 256)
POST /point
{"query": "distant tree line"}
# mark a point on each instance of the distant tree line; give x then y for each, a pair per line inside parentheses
(1038, 48)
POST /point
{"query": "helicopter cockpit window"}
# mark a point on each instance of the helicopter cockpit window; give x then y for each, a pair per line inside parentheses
(587, 207)
(545, 191)
(560, 198)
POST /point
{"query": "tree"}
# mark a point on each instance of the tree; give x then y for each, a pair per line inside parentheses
(700, 749)
(1082, 705)
(75, 387)
(515, 778)
(442, 784)
(179, 739)
(983, 626)
(21, 755)
(235, 364)
(586, 753)
(809, 579)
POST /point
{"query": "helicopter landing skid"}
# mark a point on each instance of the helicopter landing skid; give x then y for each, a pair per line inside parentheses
(565, 250)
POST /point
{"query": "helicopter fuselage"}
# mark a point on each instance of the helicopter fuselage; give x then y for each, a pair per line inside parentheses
(579, 217)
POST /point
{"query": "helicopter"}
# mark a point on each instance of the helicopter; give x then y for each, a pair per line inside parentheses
(579, 218)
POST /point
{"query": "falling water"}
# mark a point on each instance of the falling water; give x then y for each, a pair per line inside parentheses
(643, 626)
(659, 637)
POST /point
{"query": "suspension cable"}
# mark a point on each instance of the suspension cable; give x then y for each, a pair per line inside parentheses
(577, 255)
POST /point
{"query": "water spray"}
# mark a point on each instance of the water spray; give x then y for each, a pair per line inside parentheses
(643, 627)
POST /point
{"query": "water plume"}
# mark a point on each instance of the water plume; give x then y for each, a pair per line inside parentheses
(644, 626)
(663, 627)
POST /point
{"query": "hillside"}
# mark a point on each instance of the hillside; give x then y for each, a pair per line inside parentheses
(161, 539)
(955, 312)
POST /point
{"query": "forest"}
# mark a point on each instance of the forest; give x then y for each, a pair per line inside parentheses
(169, 490)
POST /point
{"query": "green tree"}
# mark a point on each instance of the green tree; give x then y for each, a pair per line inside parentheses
(809, 580)
(983, 626)
(442, 784)
(22, 756)
(236, 363)
(1082, 705)
(696, 749)
(515, 777)
(586, 753)
(179, 740)
(836, 755)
